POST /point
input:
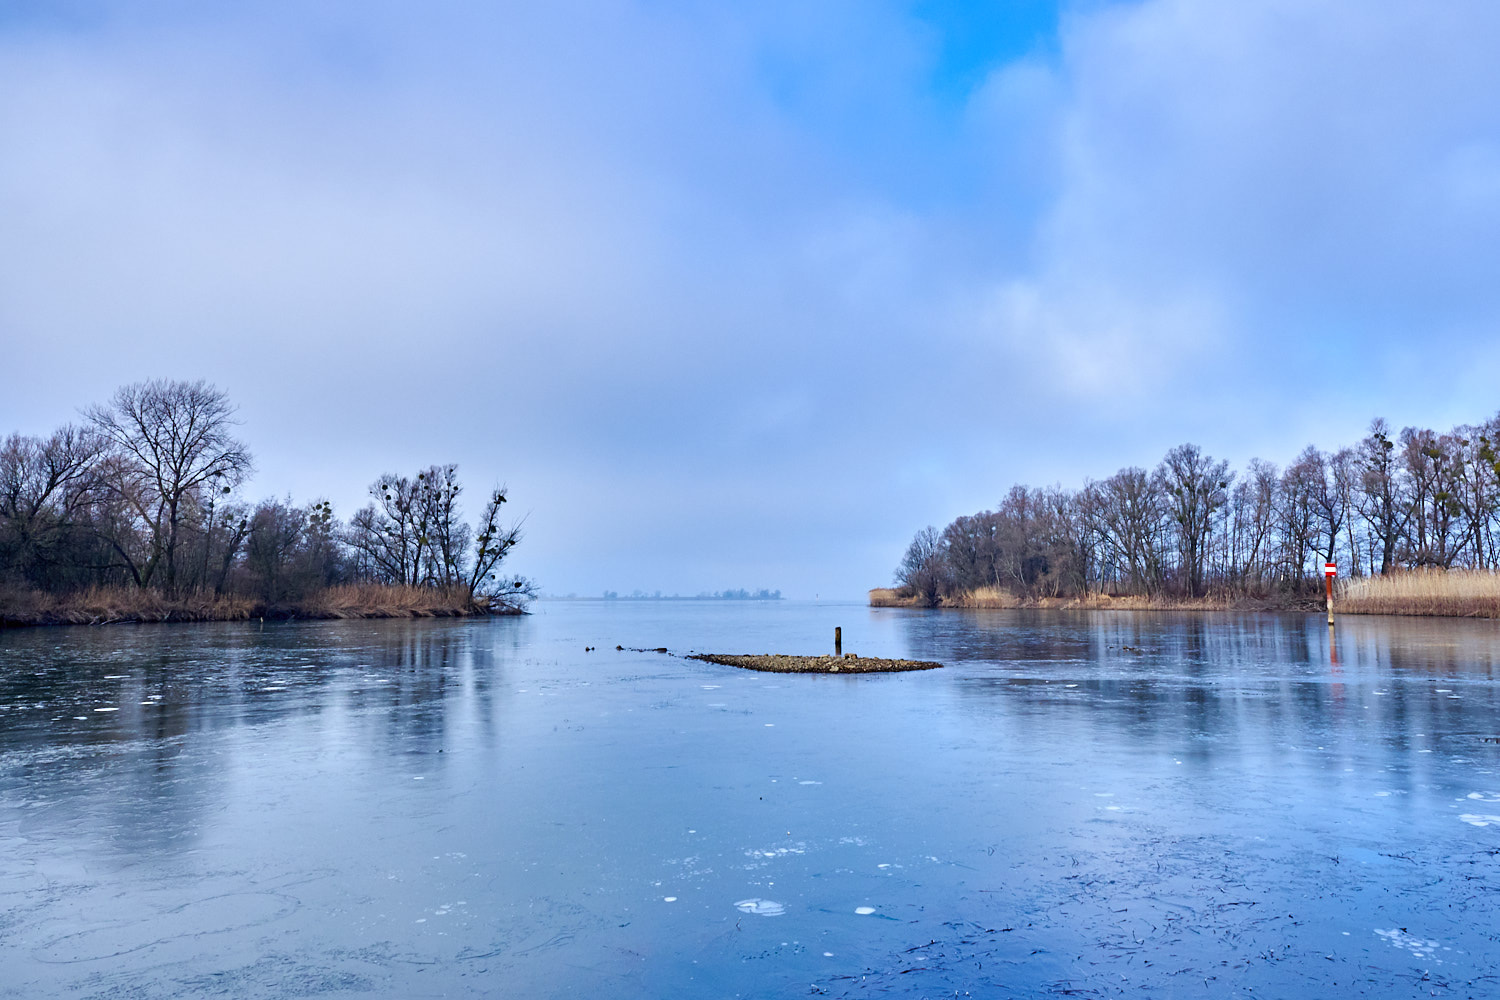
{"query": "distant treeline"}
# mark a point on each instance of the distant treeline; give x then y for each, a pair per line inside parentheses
(1191, 527)
(144, 494)
(718, 595)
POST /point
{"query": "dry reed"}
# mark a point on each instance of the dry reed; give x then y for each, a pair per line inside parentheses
(994, 597)
(109, 605)
(1452, 593)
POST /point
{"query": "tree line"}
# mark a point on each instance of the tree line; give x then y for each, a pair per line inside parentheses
(144, 493)
(1192, 527)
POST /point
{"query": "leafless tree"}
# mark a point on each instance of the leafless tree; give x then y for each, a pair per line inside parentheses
(923, 570)
(1432, 465)
(1195, 489)
(172, 440)
(1128, 513)
(1383, 497)
(493, 542)
(413, 534)
(47, 487)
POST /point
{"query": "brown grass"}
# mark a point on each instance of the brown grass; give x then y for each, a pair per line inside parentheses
(888, 597)
(109, 605)
(375, 600)
(1452, 593)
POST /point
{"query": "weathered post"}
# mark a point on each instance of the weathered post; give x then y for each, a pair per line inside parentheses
(1329, 571)
(838, 641)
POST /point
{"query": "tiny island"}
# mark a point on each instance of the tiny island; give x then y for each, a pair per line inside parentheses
(782, 663)
(138, 515)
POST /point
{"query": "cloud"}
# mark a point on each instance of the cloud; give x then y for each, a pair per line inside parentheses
(681, 272)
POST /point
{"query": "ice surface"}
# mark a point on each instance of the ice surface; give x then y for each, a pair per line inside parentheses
(1259, 805)
(761, 907)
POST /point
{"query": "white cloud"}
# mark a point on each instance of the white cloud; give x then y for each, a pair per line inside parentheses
(567, 243)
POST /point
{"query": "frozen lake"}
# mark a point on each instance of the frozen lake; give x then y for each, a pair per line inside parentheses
(1089, 804)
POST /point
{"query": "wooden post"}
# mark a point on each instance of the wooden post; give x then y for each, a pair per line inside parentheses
(838, 641)
(1329, 569)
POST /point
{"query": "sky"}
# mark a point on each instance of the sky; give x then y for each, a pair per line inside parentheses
(742, 295)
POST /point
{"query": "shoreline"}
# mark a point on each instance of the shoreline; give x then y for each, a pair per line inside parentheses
(133, 607)
(1413, 606)
(992, 599)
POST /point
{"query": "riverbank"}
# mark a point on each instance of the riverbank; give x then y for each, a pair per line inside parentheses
(1421, 593)
(119, 605)
(996, 598)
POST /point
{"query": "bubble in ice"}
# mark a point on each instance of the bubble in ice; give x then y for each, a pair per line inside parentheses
(1484, 796)
(1478, 819)
(809, 782)
(106, 709)
(1414, 943)
(669, 899)
(761, 907)
(864, 911)
(709, 687)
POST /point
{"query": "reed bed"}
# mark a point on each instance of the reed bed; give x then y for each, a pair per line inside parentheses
(111, 605)
(108, 605)
(1000, 598)
(1455, 593)
(378, 600)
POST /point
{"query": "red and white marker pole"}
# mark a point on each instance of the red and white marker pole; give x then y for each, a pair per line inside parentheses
(1330, 570)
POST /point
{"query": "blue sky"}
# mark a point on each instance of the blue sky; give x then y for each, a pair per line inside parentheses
(742, 295)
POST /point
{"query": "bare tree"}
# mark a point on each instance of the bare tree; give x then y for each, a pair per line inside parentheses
(275, 533)
(1129, 515)
(47, 487)
(1255, 501)
(173, 440)
(1328, 497)
(413, 534)
(1432, 464)
(1297, 520)
(493, 543)
(923, 571)
(1195, 489)
(1383, 497)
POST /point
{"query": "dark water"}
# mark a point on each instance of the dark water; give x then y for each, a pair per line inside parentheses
(1084, 804)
